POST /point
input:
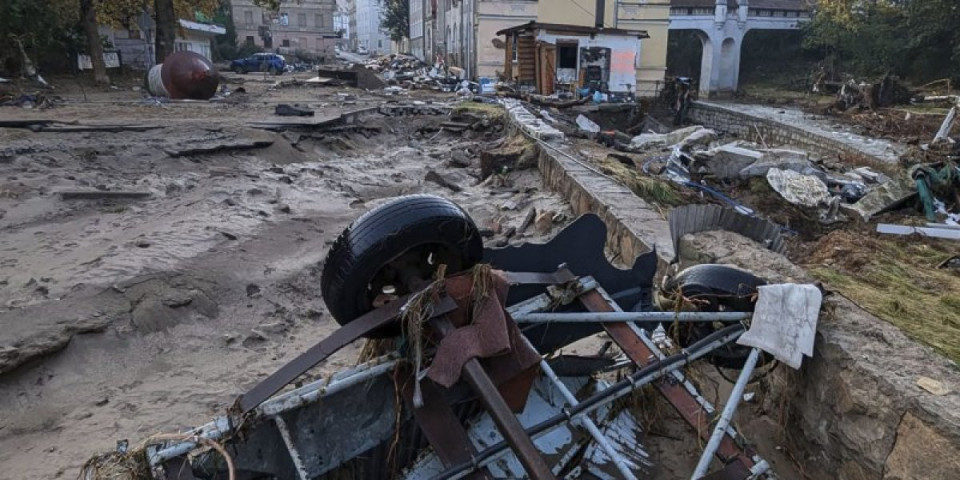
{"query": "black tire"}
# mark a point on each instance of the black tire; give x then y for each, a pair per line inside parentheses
(417, 227)
(275, 71)
(238, 69)
(716, 288)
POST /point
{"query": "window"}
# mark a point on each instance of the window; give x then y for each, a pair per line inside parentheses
(248, 17)
(284, 19)
(301, 19)
(285, 42)
(515, 49)
(318, 19)
(567, 56)
(250, 40)
(379, 43)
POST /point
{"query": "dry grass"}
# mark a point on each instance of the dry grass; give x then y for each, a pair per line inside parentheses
(651, 189)
(490, 110)
(896, 279)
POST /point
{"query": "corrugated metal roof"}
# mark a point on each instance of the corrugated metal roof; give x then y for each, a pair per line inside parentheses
(582, 29)
(702, 218)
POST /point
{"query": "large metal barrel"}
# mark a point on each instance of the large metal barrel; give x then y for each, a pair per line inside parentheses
(184, 75)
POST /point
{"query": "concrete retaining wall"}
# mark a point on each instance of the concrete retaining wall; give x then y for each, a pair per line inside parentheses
(854, 408)
(819, 141)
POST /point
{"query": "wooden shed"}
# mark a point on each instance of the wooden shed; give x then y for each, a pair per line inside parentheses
(555, 57)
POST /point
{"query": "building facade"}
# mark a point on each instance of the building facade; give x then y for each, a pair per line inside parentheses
(652, 17)
(136, 46)
(341, 23)
(464, 32)
(368, 32)
(417, 40)
(299, 25)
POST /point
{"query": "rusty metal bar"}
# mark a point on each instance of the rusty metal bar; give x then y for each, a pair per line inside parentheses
(328, 346)
(496, 406)
(682, 400)
(656, 370)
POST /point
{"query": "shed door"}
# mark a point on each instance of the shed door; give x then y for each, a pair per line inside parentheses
(548, 68)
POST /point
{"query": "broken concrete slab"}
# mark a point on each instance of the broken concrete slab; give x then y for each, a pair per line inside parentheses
(702, 137)
(889, 195)
(646, 141)
(795, 160)
(726, 161)
(797, 188)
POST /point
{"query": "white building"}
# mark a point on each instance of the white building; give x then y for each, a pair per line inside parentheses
(136, 45)
(368, 32)
(417, 42)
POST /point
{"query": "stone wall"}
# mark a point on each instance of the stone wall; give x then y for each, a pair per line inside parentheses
(746, 126)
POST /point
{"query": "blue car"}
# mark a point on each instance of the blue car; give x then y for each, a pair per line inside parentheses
(260, 62)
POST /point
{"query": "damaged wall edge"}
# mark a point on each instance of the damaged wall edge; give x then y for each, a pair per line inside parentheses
(745, 125)
(847, 406)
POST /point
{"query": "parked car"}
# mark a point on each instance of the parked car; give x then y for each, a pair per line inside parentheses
(260, 62)
(362, 51)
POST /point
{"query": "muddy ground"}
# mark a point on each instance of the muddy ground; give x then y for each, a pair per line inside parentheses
(120, 319)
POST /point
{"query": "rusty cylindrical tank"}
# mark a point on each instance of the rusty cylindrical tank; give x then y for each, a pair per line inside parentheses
(184, 75)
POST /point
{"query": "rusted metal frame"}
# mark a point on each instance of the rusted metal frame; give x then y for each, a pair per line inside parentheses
(508, 424)
(682, 400)
(562, 275)
(656, 370)
(439, 424)
(340, 338)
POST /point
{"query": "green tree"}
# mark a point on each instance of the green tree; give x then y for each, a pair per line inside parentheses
(396, 19)
(917, 39)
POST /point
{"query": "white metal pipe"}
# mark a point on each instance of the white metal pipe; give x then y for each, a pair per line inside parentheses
(726, 415)
(610, 317)
(586, 421)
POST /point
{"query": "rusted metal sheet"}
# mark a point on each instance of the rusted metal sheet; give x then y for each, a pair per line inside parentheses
(439, 423)
(682, 400)
(184, 75)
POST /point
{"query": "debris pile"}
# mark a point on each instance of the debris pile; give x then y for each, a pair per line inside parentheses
(462, 332)
(410, 73)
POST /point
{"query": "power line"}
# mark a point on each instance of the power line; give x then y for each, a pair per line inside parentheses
(588, 12)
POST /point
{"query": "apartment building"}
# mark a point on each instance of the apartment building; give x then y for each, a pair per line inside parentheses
(304, 25)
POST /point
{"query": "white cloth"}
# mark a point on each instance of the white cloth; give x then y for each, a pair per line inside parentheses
(785, 322)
